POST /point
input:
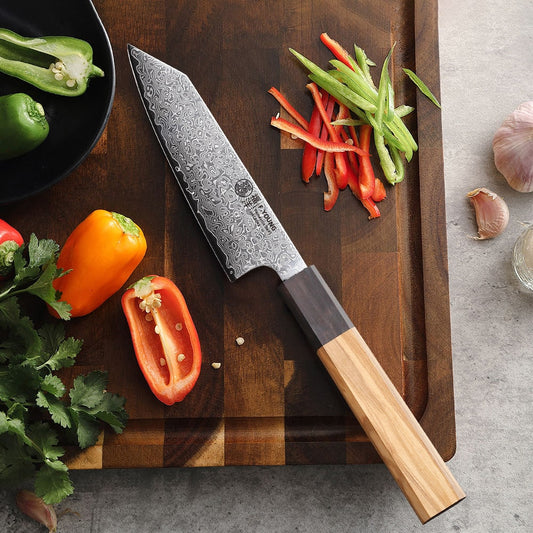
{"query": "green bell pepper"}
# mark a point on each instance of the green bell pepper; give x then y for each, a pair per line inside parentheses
(23, 125)
(58, 65)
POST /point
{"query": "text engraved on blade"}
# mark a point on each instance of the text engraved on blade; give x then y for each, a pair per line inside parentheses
(217, 182)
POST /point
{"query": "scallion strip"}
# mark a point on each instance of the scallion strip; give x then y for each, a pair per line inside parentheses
(422, 86)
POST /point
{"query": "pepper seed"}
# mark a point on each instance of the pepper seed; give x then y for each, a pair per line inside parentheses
(239, 341)
(216, 365)
(162, 361)
(181, 357)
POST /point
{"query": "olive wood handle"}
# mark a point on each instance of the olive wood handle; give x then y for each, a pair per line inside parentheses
(388, 422)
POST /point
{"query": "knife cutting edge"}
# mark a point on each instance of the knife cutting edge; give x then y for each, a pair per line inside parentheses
(244, 234)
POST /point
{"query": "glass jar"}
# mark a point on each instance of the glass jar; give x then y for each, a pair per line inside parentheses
(523, 258)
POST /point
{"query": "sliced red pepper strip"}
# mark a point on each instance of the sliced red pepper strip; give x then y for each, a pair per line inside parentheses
(309, 157)
(327, 146)
(380, 192)
(367, 178)
(329, 105)
(368, 203)
(337, 50)
(289, 108)
(341, 162)
(371, 207)
(164, 337)
(344, 113)
(331, 195)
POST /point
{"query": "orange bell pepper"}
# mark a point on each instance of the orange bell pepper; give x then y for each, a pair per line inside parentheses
(164, 337)
(101, 254)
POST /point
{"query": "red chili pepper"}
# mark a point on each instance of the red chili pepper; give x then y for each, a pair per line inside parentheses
(329, 105)
(164, 337)
(289, 108)
(331, 195)
(10, 240)
(327, 146)
(367, 178)
(336, 49)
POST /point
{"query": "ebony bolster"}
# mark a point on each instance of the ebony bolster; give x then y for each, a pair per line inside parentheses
(315, 307)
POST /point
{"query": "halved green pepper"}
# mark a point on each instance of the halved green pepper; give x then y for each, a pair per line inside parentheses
(23, 125)
(56, 64)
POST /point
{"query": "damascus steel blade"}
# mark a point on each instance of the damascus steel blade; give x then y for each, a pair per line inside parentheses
(235, 217)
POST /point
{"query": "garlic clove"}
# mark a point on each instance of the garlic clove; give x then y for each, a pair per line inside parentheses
(492, 213)
(513, 148)
(33, 506)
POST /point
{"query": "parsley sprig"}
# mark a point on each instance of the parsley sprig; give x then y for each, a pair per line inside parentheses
(37, 413)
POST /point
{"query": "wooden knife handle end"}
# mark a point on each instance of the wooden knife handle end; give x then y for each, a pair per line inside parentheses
(388, 422)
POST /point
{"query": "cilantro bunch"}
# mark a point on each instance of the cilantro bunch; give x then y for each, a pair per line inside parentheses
(37, 413)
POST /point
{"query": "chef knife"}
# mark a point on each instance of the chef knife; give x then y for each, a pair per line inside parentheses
(245, 234)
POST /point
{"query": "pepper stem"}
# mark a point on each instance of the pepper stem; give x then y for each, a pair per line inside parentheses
(126, 224)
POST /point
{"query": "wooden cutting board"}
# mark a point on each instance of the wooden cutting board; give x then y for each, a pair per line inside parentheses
(270, 402)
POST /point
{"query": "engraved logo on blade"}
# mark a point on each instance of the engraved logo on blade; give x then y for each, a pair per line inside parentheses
(244, 188)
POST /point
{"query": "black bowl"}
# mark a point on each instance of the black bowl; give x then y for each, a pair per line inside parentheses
(76, 122)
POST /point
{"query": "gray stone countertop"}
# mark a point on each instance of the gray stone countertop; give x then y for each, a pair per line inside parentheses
(486, 60)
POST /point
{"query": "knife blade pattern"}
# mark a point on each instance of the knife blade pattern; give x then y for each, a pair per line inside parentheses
(236, 218)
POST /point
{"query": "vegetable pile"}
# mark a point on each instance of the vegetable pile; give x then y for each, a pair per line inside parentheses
(350, 98)
(36, 410)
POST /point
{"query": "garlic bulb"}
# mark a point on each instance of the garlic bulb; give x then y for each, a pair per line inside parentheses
(492, 213)
(513, 148)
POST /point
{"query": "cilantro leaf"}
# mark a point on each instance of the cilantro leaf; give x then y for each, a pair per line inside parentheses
(57, 409)
(19, 383)
(88, 390)
(4, 425)
(15, 461)
(43, 289)
(44, 437)
(53, 385)
(34, 272)
(116, 421)
(29, 389)
(65, 354)
(19, 340)
(52, 485)
(51, 335)
(87, 428)
(41, 252)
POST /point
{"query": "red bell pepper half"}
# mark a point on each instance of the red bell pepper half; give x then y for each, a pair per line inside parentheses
(164, 337)
(10, 240)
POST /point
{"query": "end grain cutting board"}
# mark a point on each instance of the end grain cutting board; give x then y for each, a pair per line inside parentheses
(271, 401)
